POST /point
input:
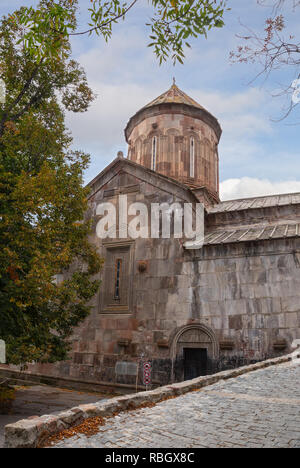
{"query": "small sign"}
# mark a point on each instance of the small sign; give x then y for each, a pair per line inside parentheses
(2, 352)
(147, 373)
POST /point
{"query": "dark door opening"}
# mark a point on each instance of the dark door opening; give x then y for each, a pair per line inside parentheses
(195, 362)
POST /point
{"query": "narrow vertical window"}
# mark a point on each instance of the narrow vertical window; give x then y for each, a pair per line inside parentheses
(154, 151)
(118, 271)
(192, 157)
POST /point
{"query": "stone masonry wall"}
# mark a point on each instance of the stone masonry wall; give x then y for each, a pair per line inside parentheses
(174, 132)
(241, 302)
(249, 295)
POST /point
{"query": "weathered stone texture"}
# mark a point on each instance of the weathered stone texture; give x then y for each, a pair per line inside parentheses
(245, 293)
(238, 301)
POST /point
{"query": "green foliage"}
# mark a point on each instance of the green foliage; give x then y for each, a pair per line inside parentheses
(42, 203)
(46, 28)
(172, 24)
(177, 21)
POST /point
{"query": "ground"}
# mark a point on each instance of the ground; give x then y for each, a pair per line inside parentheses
(259, 409)
(41, 399)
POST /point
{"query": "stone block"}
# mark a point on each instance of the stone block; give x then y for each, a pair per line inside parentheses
(126, 368)
(235, 322)
(291, 320)
(22, 434)
(290, 304)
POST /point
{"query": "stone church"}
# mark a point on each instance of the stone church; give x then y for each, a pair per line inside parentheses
(188, 312)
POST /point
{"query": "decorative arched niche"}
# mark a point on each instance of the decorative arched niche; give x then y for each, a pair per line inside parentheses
(195, 336)
(152, 149)
(192, 143)
(140, 149)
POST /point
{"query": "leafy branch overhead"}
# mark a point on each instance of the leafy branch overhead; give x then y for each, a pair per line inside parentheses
(172, 24)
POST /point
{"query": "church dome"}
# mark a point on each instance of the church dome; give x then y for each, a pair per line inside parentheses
(174, 95)
(177, 137)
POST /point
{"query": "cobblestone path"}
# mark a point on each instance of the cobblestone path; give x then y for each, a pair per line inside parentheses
(259, 409)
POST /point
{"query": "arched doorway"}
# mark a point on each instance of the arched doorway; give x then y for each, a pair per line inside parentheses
(194, 351)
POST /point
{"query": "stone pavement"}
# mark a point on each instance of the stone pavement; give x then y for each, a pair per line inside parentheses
(259, 409)
(41, 399)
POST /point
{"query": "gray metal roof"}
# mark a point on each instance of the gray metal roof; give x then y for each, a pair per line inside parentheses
(257, 202)
(254, 233)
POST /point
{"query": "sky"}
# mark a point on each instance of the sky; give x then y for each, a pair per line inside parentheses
(259, 155)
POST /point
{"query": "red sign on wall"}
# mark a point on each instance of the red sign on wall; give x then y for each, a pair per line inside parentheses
(147, 373)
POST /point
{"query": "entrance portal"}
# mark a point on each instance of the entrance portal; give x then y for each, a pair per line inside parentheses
(194, 352)
(195, 362)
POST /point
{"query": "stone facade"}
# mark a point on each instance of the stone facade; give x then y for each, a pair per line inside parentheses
(233, 302)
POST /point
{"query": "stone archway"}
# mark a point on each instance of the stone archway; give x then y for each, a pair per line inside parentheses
(195, 341)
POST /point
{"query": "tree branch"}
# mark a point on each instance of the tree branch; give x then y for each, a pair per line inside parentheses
(22, 93)
(33, 101)
(107, 23)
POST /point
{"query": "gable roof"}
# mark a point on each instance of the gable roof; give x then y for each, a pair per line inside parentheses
(161, 181)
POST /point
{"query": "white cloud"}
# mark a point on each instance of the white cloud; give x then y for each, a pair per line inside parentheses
(239, 113)
(245, 187)
(102, 127)
(224, 103)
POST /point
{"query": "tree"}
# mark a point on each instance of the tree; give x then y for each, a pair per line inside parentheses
(275, 49)
(43, 231)
(173, 22)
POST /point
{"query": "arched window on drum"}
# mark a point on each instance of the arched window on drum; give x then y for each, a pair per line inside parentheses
(154, 153)
(192, 157)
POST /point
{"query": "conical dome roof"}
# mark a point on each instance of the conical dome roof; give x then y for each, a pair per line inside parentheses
(171, 101)
(174, 95)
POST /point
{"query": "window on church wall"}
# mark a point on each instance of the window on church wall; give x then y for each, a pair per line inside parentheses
(192, 157)
(154, 153)
(118, 273)
(117, 280)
